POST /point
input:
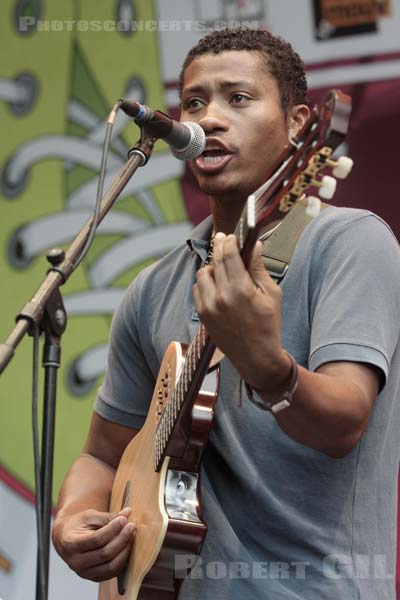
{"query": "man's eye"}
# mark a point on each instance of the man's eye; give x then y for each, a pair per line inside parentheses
(239, 98)
(193, 103)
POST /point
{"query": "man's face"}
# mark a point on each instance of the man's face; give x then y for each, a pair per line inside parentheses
(236, 101)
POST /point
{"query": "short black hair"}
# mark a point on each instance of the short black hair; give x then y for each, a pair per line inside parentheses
(282, 61)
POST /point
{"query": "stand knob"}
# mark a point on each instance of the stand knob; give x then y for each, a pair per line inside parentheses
(55, 256)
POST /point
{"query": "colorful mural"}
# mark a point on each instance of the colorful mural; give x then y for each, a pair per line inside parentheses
(57, 87)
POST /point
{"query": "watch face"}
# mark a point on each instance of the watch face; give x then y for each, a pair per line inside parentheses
(280, 405)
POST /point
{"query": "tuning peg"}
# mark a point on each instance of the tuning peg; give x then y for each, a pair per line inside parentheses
(251, 214)
(327, 187)
(313, 206)
(342, 167)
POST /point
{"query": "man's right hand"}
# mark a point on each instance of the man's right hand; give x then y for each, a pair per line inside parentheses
(96, 545)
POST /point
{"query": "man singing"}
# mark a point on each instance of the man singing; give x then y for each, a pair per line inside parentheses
(299, 503)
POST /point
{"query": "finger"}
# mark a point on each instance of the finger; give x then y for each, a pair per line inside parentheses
(107, 554)
(204, 290)
(258, 272)
(109, 568)
(94, 519)
(233, 264)
(197, 299)
(125, 512)
(94, 539)
(220, 275)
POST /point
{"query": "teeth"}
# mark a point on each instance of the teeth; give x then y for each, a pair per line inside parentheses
(212, 160)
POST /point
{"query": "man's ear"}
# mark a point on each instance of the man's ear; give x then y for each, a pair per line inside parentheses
(297, 116)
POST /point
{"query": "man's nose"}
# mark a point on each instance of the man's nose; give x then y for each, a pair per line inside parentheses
(213, 118)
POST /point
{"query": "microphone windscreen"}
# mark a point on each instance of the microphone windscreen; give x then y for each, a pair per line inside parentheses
(196, 145)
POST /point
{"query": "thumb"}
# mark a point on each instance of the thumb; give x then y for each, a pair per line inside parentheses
(256, 267)
(100, 519)
(124, 512)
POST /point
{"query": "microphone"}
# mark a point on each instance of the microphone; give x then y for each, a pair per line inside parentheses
(186, 139)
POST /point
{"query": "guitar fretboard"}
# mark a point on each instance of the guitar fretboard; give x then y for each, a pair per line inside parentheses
(186, 388)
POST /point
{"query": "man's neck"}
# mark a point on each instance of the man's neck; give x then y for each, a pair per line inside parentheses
(227, 212)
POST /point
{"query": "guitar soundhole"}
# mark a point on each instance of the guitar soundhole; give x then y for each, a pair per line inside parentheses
(121, 578)
(126, 495)
(163, 392)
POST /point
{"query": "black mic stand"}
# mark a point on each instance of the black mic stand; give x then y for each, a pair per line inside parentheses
(45, 312)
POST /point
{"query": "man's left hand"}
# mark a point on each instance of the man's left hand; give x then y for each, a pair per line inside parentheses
(241, 311)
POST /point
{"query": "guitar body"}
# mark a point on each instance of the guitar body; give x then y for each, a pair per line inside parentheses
(166, 502)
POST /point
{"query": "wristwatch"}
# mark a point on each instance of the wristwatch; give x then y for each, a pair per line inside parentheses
(285, 401)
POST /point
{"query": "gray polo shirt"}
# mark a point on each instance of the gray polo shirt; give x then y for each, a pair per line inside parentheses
(285, 521)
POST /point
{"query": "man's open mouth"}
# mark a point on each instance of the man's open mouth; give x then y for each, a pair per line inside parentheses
(214, 157)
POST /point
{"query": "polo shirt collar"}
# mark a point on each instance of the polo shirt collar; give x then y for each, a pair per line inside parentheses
(199, 238)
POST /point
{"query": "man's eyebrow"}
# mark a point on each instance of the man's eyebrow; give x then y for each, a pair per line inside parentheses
(194, 89)
(201, 88)
(232, 84)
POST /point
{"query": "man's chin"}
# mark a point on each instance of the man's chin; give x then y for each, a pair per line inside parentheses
(223, 189)
(215, 185)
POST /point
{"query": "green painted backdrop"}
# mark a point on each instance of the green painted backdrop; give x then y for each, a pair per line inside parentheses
(74, 71)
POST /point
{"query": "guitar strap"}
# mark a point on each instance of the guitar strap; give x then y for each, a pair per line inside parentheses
(279, 246)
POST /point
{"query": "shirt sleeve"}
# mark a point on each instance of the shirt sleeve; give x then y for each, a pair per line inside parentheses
(127, 389)
(355, 307)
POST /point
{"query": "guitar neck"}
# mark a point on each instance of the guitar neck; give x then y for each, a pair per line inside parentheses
(197, 361)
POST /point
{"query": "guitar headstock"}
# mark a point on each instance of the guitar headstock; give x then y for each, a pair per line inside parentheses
(298, 169)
